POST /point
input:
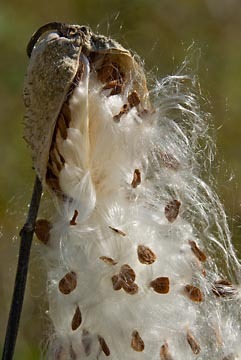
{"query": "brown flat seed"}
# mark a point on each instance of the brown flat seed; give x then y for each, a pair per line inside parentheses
(42, 230)
(169, 161)
(197, 252)
(68, 283)
(133, 99)
(137, 343)
(172, 210)
(160, 285)
(77, 319)
(108, 260)
(116, 282)
(73, 220)
(86, 342)
(224, 288)
(120, 232)
(194, 293)
(124, 110)
(145, 255)
(130, 289)
(127, 274)
(164, 352)
(136, 178)
(104, 346)
(193, 343)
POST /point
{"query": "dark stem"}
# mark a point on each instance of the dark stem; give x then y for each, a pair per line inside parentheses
(26, 235)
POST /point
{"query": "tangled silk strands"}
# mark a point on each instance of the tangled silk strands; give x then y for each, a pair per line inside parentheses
(131, 248)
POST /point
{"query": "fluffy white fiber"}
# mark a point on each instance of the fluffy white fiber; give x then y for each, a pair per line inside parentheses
(135, 184)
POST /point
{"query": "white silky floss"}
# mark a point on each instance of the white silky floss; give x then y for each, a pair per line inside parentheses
(131, 255)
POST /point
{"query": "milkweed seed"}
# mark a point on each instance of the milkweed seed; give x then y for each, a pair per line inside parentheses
(136, 178)
(224, 288)
(86, 342)
(120, 232)
(125, 279)
(160, 285)
(197, 252)
(42, 230)
(124, 110)
(77, 319)
(137, 343)
(68, 283)
(108, 260)
(169, 161)
(194, 293)
(116, 282)
(172, 210)
(164, 352)
(73, 220)
(133, 99)
(127, 274)
(193, 343)
(104, 346)
(130, 289)
(145, 255)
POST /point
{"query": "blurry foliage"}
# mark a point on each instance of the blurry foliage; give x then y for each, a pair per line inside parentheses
(160, 31)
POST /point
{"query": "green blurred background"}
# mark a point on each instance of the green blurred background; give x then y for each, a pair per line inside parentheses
(160, 31)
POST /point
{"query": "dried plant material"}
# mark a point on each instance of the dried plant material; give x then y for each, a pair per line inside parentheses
(193, 343)
(164, 352)
(136, 178)
(194, 293)
(224, 288)
(118, 231)
(197, 252)
(145, 255)
(172, 210)
(73, 220)
(42, 230)
(161, 285)
(86, 342)
(108, 260)
(77, 319)
(104, 346)
(137, 343)
(133, 99)
(169, 161)
(68, 283)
